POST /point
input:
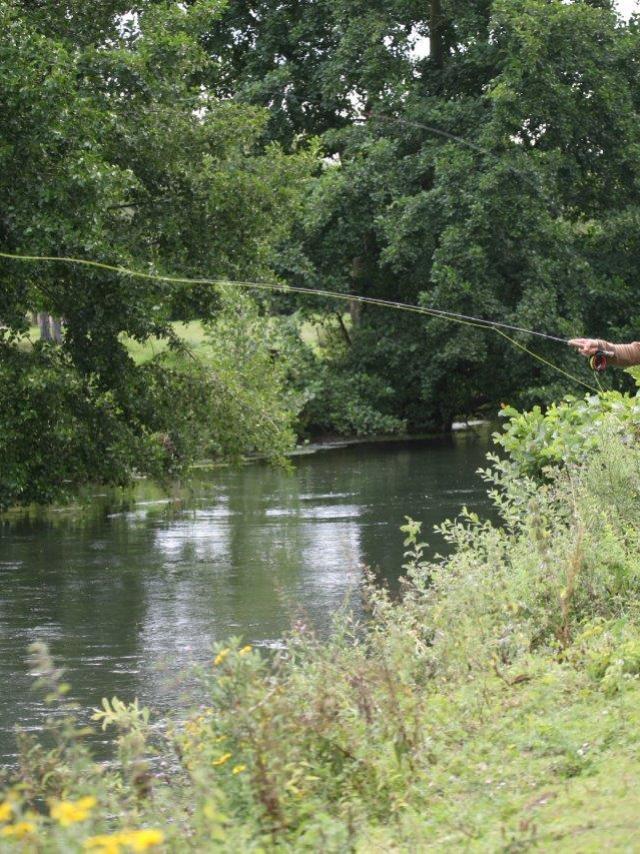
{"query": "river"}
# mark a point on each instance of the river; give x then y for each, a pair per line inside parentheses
(128, 594)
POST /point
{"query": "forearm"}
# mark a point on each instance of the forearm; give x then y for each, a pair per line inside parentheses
(625, 355)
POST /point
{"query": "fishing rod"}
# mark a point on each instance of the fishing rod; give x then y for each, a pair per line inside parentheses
(456, 317)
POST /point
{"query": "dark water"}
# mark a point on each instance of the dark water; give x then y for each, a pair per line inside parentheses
(126, 596)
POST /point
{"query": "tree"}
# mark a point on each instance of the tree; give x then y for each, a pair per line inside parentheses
(110, 149)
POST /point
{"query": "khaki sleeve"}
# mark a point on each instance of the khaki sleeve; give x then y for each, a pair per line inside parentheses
(625, 356)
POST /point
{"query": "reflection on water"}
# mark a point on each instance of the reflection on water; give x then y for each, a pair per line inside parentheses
(127, 596)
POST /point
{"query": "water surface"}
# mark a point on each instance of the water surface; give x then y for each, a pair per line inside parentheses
(127, 595)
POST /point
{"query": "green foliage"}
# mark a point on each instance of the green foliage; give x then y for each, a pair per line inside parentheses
(58, 429)
(349, 404)
(110, 149)
(565, 432)
(523, 210)
(61, 429)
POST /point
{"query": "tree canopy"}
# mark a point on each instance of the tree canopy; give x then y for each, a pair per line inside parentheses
(496, 176)
(111, 149)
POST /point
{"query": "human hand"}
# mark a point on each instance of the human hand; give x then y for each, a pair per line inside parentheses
(586, 346)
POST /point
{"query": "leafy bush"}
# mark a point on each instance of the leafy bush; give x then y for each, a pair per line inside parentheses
(566, 432)
(349, 404)
(334, 398)
(60, 429)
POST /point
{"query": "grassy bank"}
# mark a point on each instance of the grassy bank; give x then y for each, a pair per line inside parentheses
(495, 707)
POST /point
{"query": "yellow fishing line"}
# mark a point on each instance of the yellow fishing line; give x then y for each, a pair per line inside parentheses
(282, 288)
(547, 362)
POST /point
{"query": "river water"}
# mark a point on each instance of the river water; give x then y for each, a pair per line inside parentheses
(128, 594)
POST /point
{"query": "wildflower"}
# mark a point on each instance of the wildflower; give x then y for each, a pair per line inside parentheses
(220, 657)
(103, 844)
(142, 840)
(18, 830)
(245, 649)
(6, 811)
(222, 759)
(238, 769)
(70, 812)
(136, 840)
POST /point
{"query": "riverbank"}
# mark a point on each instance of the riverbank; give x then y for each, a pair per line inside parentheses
(95, 498)
(494, 708)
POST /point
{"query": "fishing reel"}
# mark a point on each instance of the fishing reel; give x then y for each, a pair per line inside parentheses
(598, 362)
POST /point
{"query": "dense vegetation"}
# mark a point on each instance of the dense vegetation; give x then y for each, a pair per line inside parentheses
(307, 143)
(528, 215)
(494, 707)
(110, 149)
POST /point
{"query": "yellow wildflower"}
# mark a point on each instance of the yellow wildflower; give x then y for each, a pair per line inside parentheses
(18, 830)
(245, 649)
(136, 840)
(220, 657)
(6, 811)
(70, 812)
(142, 840)
(222, 759)
(103, 844)
(238, 769)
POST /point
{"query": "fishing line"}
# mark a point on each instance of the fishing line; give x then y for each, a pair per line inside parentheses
(463, 319)
(285, 288)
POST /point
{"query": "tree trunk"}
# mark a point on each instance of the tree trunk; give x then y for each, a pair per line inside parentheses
(343, 328)
(436, 34)
(44, 322)
(56, 329)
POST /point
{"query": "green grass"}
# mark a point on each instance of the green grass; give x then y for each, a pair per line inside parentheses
(550, 764)
(192, 333)
(313, 332)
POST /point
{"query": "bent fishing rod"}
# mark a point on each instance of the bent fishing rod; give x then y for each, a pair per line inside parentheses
(455, 317)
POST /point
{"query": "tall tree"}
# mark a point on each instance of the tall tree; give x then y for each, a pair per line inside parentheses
(111, 150)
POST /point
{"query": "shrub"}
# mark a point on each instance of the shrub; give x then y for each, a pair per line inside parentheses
(60, 429)
(565, 432)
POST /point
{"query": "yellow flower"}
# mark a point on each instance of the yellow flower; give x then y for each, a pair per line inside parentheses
(103, 844)
(136, 840)
(19, 830)
(142, 840)
(238, 769)
(245, 649)
(6, 811)
(70, 812)
(222, 759)
(220, 657)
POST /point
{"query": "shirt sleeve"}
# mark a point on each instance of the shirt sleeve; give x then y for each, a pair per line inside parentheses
(625, 355)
